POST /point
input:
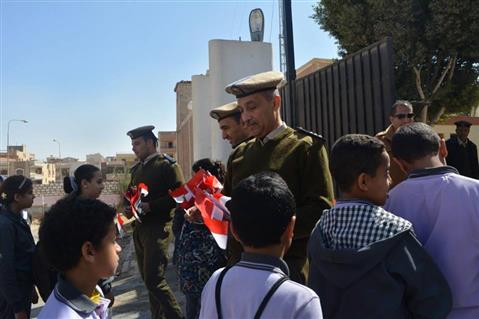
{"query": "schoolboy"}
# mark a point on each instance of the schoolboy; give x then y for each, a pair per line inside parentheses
(443, 207)
(365, 262)
(78, 239)
(262, 216)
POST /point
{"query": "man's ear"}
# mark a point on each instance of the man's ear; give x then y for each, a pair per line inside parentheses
(403, 165)
(276, 102)
(88, 251)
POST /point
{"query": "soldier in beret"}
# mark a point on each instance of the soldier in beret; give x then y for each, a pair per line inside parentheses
(462, 153)
(231, 126)
(298, 156)
(151, 237)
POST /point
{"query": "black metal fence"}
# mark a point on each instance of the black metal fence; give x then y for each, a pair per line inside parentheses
(353, 95)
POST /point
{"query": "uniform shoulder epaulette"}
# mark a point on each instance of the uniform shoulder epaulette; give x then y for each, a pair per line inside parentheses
(309, 133)
(169, 158)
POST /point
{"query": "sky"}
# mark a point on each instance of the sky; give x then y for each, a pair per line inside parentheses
(86, 72)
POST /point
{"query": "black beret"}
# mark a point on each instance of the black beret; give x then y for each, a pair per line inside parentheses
(140, 131)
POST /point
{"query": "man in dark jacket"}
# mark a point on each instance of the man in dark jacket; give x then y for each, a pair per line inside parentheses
(366, 262)
(463, 152)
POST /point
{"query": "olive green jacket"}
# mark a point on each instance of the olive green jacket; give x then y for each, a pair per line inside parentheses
(301, 160)
(160, 174)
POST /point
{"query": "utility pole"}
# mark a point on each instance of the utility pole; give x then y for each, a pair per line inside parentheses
(288, 50)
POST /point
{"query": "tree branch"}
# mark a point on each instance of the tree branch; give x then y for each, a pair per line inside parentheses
(417, 71)
(443, 75)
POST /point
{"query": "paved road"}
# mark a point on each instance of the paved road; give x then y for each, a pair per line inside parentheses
(131, 298)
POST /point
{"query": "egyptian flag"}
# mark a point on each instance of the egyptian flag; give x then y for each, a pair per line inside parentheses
(134, 196)
(184, 195)
(215, 214)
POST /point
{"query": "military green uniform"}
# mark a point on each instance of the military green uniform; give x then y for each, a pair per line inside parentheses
(151, 237)
(301, 160)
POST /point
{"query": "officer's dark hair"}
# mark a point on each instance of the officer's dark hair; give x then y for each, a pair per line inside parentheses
(83, 172)
(261, 208)
(397, 104)
(69, 224)
(15, 184)
(414, 141)
(352, 155)
(150, 136)
(216, 168)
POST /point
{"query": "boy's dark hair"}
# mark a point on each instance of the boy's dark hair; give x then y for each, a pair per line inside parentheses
(414, 141)
(261, 208)
(83, 172)
(353, 155)
(15, 184)
(215, 168)
(68, 225)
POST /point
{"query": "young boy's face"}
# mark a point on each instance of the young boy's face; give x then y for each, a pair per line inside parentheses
(378, 186)
(107, 256)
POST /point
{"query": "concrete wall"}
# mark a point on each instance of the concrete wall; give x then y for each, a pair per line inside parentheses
(201, 119)
(228, 61)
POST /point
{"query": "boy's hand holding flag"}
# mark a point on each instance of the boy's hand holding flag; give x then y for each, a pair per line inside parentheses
(203, 190)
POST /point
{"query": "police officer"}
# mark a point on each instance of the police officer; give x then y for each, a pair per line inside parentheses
(231, 125)
(462, 152)
(298, 156)
(160, 173)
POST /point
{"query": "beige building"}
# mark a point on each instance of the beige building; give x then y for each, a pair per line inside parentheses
(184, 127)
(42, 173)
(312, 66)
(167, 143)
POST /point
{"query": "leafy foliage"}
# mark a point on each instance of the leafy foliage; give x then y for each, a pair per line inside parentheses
(436, 44)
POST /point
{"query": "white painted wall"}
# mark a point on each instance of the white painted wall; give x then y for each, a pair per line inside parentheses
(228, 61)
(200, 100)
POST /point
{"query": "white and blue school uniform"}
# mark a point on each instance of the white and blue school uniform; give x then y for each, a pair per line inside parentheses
(246, 291)
(67, 302)
(443, 207)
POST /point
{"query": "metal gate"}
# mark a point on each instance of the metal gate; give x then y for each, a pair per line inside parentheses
(353, 95)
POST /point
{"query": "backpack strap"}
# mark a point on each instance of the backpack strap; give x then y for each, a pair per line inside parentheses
(218, 291)
(268, 296)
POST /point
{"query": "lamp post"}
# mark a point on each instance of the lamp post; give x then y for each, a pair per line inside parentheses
(8, 141)
(256, 25)
(59, 152)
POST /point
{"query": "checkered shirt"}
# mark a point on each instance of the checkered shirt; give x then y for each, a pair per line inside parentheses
(358, 225)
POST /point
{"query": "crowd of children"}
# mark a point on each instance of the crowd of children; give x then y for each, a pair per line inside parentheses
(409, 252)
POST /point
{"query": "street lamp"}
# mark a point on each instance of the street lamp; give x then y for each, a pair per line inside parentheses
(256, 25)
(8, 141)
(59, 152)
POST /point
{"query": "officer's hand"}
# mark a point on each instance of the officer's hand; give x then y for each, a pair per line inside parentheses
(21, 315)
(145, 207)
(127, 212)
(193, 215)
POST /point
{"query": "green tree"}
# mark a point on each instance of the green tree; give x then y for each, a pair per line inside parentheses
(436, 45)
